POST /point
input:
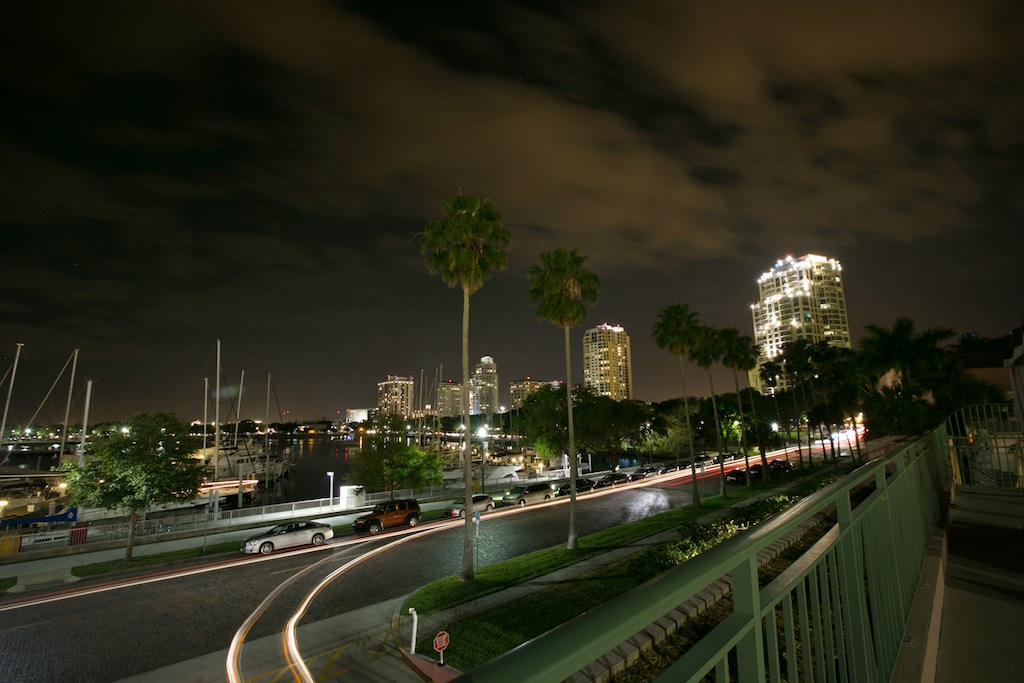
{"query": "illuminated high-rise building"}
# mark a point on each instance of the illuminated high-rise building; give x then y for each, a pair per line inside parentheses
(483, 388)
(518, 391)
(607, 367)
(394, 396)
(799, 298)
(449, 399)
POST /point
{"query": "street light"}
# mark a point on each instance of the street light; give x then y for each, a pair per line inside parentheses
(482, 433)
(331, 499)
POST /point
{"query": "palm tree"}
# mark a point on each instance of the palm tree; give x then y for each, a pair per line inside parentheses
(706, 352)
(797, 361)
(675, 330)
(465, 247)
(769, 372)
(559, 285)
(906, 367)
(845, 382)
(740, 353)
(911, 355)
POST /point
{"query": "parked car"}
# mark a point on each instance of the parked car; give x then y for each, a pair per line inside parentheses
(288, 535)
(385, 515)
(530, 493)
(582, 486)
(665, 469)
(481, 503)
(736, 476)
(780, 466)
(756, 472)
(644, 472)
(613, 479)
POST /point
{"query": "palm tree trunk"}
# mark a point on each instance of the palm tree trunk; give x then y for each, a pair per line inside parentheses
(571, 544)
(743, 430)
(467, 472)
(796, 412)
(695, 493)
(765, 474)
(718, 439)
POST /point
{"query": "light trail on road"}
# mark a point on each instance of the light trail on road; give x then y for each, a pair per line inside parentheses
(172, 574)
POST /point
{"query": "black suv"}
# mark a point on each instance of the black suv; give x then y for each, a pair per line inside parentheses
(384, 515)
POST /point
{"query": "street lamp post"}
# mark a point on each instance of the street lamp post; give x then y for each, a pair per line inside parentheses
(331, 498)
(482, 432)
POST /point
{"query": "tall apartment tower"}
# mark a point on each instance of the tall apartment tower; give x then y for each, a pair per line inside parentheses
(483, 388)
(518, 391)
(799, 298)
(607, 366)
(394, 396)
(449, 399)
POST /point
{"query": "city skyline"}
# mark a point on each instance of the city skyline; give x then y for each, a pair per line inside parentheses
(259, 175)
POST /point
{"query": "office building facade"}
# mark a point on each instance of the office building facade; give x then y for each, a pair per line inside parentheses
(607, 365)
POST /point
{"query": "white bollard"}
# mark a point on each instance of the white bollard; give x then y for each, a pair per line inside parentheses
(412, 646)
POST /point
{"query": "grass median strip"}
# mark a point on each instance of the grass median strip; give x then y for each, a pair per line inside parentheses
(484, 636)
(450, 592)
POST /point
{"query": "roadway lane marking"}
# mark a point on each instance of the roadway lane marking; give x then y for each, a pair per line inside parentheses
(16, 628)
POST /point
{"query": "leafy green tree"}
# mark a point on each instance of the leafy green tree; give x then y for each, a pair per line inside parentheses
(559, 286)
(149, 463)
(675, 330)
(389, 461)
(465, 247)
(706, 352)
(605, 424)
(542, 421)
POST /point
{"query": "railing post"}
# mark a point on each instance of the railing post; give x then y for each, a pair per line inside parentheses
(851, 585)
(746, 599)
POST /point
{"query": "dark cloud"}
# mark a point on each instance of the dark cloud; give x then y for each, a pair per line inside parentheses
(180, 173)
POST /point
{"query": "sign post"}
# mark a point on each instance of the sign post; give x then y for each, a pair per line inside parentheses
(441, 643)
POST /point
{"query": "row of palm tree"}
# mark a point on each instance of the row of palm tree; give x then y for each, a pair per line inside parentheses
(895, 374)
(465, 247)
(678, 330)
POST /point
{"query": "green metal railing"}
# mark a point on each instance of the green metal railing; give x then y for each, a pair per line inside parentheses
(837, 614)
(986, 450)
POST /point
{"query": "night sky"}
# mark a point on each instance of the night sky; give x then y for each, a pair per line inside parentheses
(258, 173)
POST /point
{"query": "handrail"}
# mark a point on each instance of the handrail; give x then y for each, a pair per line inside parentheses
(880, 540)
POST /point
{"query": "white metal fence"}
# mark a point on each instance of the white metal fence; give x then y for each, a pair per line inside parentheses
(68, 538)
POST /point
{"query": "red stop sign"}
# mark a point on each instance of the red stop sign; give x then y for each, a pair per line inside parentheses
(441, 641)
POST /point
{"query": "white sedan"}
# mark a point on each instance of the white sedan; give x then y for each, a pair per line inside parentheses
(288, 535)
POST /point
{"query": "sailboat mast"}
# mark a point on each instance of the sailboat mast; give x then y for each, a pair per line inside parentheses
(85, 422)
(238, 407)
(238, 420)
(67, 409)
(10, 388)
(266, 438)
(206, 405)
(216, 416)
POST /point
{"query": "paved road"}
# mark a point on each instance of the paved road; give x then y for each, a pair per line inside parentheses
(118, 632)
